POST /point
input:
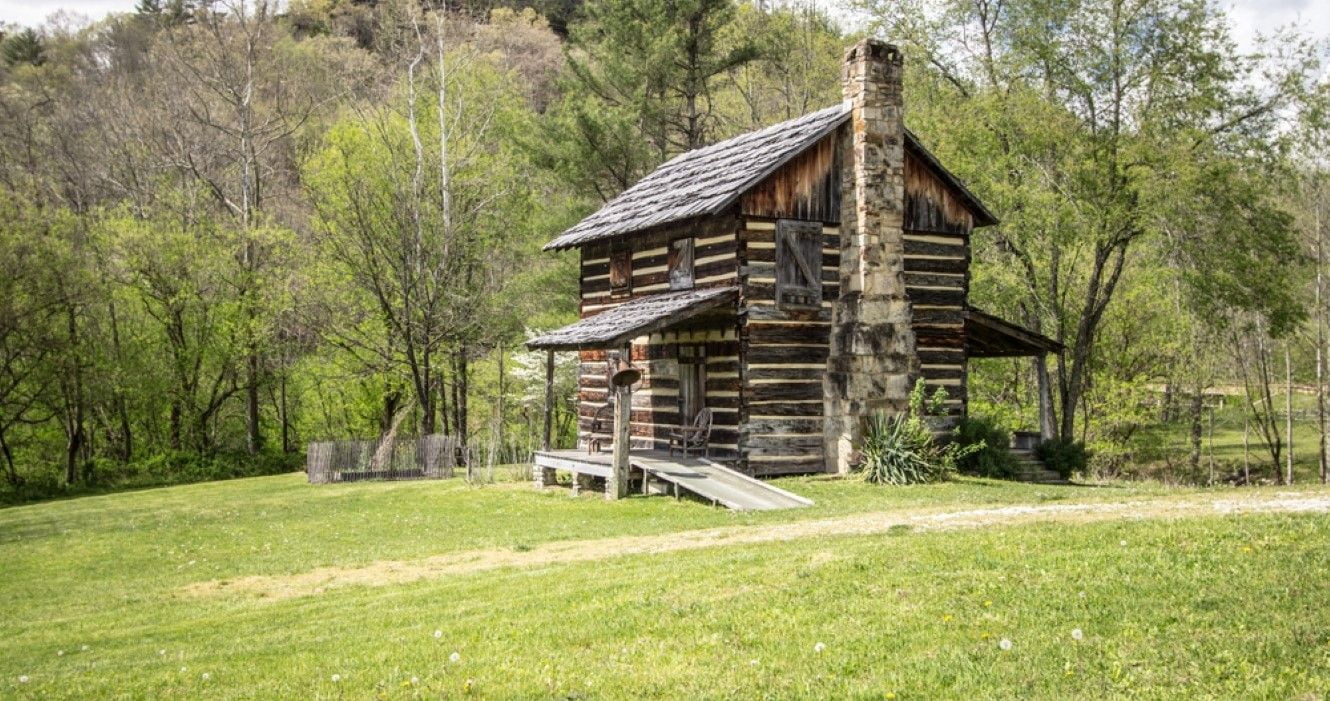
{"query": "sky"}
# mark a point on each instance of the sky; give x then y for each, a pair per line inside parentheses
(1250, 17)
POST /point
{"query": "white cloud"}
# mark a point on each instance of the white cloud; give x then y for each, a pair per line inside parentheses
(32, 12)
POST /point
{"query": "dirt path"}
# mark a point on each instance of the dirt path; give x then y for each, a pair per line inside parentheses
(388, 572)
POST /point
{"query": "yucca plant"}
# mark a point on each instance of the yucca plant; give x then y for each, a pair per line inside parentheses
(903, 449)
(899, 450)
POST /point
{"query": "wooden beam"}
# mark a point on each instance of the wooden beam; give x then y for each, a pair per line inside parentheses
(549, 398)
(618, 483)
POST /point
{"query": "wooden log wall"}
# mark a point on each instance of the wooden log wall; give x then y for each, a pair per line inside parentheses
(655, 401)
(713, 261)
(785, 358)
(937, 278)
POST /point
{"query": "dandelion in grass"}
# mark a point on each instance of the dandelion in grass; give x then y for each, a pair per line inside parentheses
(455, 657)
(23, 679)
(83, 648)
(468, 685)
(1005, 644)
(946, 618)
(438, 634)
(415, 681)
(59, 653)
(207, 676)
(161, 652)
(889, 695)
(752, 662)
(819, 647)
(1123, 543)
(1077, 634)
(184, 669)
(336, 678)
(988, 603)
(1082, 594)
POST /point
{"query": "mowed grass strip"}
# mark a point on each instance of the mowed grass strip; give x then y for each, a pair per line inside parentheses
(1219, 606)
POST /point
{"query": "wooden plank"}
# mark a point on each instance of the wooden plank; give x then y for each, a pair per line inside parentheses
(791, 425)
(786, 354)
(937, 265)
(778, 373)
(808, 409)
(932, 297)
(804, 334)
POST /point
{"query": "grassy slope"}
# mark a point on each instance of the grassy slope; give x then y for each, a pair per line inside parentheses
(1210, 606)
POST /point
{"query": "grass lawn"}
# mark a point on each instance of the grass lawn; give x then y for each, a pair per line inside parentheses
(1226, 445)
(94, 606)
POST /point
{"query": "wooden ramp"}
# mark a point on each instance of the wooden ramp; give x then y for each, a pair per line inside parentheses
(717, 483)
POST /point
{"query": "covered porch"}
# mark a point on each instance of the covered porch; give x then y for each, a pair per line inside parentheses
(992, 337)
(678, 407)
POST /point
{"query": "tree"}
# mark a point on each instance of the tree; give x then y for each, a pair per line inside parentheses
(1082, 123)
(24, 47)
(418, 198)
(641, 84)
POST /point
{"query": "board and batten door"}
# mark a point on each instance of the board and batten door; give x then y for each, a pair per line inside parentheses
(692, 381)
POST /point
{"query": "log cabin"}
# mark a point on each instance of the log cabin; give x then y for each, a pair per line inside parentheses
(791, 281)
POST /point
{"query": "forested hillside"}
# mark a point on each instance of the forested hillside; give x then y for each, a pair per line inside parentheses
(229, 228)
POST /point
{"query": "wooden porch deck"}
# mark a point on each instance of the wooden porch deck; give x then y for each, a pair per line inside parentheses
(705, 478)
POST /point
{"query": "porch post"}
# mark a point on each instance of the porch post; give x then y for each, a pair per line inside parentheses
(549, 398)
(617, 486)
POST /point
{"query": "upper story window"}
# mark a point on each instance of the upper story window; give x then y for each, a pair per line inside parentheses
(681, 264)
(621, 272)
(798, 264)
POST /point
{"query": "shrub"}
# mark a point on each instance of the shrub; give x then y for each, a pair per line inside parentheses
(1064, 456)
(898, 450)
(990, 456)
(903, 449)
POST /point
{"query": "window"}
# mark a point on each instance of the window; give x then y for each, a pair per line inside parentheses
(798, 264)
(692, 381)
(621, 273)
(681, 264)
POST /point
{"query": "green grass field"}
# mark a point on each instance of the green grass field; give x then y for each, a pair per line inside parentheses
(95, 598)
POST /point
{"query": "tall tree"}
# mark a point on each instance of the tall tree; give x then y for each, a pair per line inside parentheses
(1075, 121)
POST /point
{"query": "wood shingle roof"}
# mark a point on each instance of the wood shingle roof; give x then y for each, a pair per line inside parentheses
(703, 181)
(634, 318)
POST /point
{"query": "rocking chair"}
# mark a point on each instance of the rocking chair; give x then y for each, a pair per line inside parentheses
(697, 435)
(603, 418)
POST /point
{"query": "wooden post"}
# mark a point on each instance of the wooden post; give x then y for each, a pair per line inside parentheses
(617, 486)
(549, 398)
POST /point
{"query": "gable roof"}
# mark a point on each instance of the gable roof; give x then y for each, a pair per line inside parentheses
(705, 181)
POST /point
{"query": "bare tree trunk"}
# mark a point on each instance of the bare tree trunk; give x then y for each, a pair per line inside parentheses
(1194, 416)
(1246, 447)
(1320, 311)
(1288, 413)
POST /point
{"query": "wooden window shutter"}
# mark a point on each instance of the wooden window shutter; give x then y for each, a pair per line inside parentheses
(799, 263)
(621, 272)
(680, 264)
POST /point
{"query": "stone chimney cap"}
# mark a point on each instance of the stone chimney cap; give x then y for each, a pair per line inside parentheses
(873, 49)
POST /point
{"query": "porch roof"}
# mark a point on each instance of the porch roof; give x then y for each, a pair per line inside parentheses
(634, 318)
(988, 336)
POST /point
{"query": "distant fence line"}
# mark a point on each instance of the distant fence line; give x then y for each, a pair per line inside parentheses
(392, 458)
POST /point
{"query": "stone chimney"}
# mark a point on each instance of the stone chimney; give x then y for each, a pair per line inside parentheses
(872, 362)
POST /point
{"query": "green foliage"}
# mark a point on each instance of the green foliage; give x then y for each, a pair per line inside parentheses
(905, 448)
(991, 456)
(24, 47)
(1064, 456)
(899, 449)
(168, 468)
